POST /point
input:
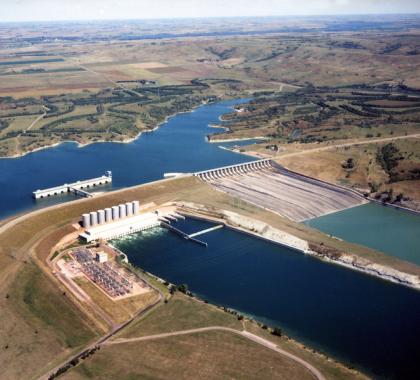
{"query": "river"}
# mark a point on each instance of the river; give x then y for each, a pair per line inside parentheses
(354, 317)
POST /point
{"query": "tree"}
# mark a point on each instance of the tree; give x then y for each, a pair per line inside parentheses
(265, 327)
(278, 331)
(183, 288)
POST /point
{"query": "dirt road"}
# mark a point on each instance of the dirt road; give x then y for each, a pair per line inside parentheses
(245, 334)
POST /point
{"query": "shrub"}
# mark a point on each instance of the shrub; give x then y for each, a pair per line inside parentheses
(278, 331)
(265, 327)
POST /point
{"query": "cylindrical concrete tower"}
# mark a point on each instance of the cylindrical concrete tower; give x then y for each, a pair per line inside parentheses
(86, 220)
(115, 213)
(93, 219)
(108, 215)
(129, 208)
(101, 216)
(136, 207)
(122, 211)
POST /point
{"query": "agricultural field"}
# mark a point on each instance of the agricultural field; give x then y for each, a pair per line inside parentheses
(139, 82)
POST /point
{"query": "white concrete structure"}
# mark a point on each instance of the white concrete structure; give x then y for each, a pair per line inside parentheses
(115, 213)
(129, 208)
(73, 187)
(101, 216)
(123, 213)
(108, 215)
(86, 220)
(234, 170)
(93, 219)
(136, 207)
(121, 227)
(101, 257)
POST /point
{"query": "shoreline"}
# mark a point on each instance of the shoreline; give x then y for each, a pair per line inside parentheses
(243, 139)
(349, 260)
(80, 145)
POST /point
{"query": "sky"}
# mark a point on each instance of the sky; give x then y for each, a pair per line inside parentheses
(57, 10)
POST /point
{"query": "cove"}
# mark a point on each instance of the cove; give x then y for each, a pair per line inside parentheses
(177, 146)
(355, 318)
(382, 228)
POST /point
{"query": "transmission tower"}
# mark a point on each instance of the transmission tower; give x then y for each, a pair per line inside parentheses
(248, 207)
(256, 209)
(348, 151)
(285, 110)
(342, 122)
(27, 257)
(232, 200)
(307, 226)
(239, 202)
(14, 252)
(360, 151)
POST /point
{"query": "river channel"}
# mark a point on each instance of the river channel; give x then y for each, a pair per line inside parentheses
(359, 319)
(354, 317)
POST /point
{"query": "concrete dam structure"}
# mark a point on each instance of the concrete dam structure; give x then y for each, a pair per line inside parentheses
(76, 187)
(233, 170)
(289, 194)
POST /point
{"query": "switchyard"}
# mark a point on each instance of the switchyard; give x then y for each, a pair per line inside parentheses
(289, 194)
(110, 278)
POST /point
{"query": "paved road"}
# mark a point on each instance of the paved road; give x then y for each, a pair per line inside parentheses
(245, 334)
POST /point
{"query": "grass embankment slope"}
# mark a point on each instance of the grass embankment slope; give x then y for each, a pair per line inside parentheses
(210, 354)
(36, 304)
(41, 325)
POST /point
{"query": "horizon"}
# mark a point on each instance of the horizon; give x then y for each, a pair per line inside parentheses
(107, 10)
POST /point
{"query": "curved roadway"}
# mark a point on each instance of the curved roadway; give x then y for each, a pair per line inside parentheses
(245, 334)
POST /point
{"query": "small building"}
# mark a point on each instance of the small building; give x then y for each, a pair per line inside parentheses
(101, 257)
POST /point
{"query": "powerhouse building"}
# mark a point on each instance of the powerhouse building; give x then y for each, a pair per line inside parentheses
(117, 221)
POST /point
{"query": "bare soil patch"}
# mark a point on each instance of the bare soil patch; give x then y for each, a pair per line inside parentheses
(165, 70)
(115, 74)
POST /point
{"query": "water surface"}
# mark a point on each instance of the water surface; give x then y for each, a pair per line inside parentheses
(385, 229)
(178, 146)
(356, 318)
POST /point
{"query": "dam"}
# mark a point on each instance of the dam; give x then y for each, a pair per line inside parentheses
(76, 187)
(287, 193)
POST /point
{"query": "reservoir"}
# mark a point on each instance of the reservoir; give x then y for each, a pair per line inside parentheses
(359, 319)
(382, 228)
(178, 146)
(355, 318)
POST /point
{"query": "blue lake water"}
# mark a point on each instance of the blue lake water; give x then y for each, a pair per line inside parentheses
(356, 318)
(177, 146)
(375, 226)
